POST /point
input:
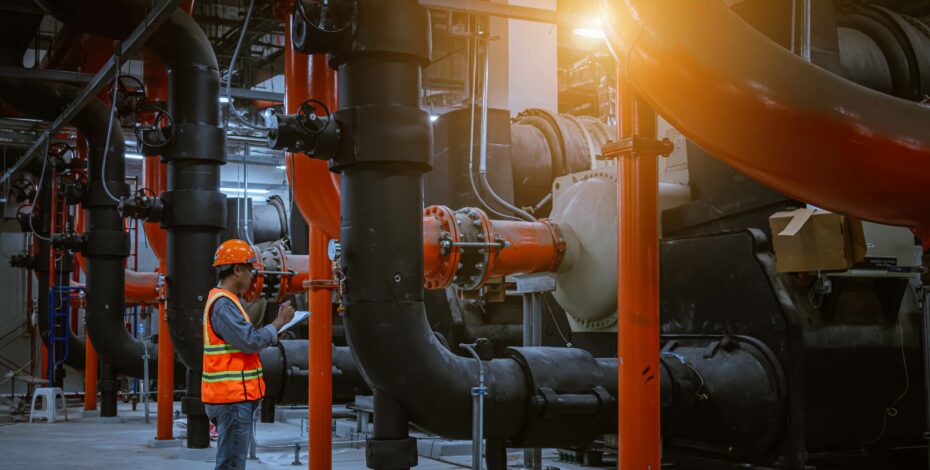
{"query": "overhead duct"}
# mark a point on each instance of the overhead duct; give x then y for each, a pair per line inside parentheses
(194, 208)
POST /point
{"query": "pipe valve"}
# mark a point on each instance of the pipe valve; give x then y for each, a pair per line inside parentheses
(145, 204)
(306, 131)
(70, 241)
(23, 260)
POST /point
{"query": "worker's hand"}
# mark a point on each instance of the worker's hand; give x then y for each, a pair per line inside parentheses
(285, 314)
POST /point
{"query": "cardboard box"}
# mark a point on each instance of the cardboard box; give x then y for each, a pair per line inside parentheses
(814, 240)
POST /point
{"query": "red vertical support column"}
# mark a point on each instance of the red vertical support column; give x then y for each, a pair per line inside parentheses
(320, 393)
(639, 433)
(163, 427)
(305, 78)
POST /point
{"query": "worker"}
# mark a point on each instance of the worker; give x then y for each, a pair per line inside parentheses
(232, 381)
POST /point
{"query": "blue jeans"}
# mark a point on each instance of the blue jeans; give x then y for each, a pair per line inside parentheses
(234, 426)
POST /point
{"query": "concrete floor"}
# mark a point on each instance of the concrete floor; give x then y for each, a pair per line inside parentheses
(83, 443)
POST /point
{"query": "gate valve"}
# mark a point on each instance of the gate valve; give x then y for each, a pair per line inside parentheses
(144, 204)
(23, 216)
(70, 241)
(23, 189)
(61, 156)
(73, 190)
(317, 136)
(154, 129)
(130, 93)
(23, 260)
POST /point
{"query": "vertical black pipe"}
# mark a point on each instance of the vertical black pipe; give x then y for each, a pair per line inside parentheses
(382, 163)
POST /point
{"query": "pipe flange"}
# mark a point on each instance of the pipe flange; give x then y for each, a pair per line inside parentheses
(449, 253)
(476, 260)
(258, 280)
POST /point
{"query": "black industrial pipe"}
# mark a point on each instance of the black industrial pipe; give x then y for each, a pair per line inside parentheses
(195, 209)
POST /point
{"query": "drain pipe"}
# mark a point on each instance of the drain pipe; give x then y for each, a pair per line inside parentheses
(194, 209)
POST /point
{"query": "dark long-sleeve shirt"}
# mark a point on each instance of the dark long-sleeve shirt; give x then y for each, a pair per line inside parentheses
(228, 323)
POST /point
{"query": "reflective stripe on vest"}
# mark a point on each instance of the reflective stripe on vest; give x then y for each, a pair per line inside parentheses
(225, 376)
(229, 375)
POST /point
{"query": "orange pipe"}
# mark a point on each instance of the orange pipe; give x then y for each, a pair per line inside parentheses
(530, 247)
(533, 247)
(155, 177)
(639, 433)
(317, 198)
(300, 265)
(90, 374)
(317, 195)
(320, 393)
(788, 124)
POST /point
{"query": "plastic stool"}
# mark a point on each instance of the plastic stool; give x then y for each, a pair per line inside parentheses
(50, 410)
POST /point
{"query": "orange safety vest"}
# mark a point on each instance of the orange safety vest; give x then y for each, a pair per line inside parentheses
(229, 375)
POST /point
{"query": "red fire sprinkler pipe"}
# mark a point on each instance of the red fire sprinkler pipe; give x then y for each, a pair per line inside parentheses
(311, 77)
(637, 281)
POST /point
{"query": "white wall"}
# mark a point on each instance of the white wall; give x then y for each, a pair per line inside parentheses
(524, 62)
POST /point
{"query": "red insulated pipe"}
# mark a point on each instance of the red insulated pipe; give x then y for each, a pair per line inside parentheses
(530, 247)
(639, 432)
(786, 123)
(317, 195)
(155, 177)
(533, 247)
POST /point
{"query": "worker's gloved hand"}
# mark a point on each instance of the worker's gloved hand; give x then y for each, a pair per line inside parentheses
(285, 314)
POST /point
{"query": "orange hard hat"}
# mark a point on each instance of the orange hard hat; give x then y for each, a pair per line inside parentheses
(234, 251)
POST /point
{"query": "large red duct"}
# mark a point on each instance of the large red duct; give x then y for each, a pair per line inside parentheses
(784, 122)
